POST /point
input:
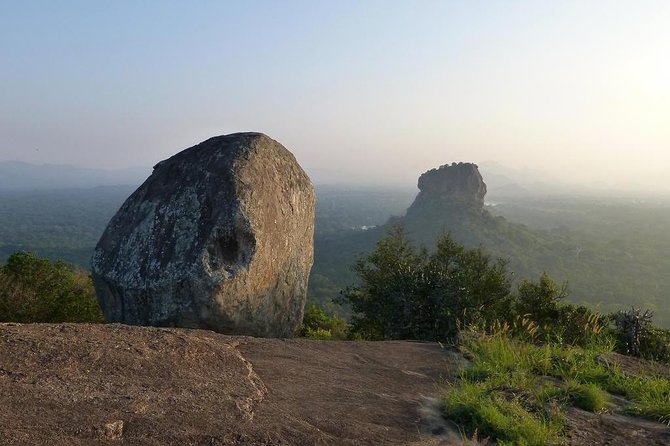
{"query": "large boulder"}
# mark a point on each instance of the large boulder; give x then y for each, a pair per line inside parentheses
(220, 236)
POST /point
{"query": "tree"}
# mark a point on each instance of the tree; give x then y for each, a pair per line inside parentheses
(33, 289)
(317, 324)
(540, 300)
(407, 293)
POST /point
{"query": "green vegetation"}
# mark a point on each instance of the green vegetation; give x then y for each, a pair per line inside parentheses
(316, 324)
(475, 407)
(532, 353)
(612, 252)
(341, 209)
(409, 293)
(588, 396)
(517, 391)
(637, 336)
(406, 293)
(540, 355)
(57, 224)
(33, 289)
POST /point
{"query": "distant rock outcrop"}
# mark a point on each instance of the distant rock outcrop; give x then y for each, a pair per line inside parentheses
(455, 184)
(220, 236)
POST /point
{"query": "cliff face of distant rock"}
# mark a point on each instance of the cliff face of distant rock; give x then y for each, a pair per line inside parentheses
(220, 236)
(458, 184)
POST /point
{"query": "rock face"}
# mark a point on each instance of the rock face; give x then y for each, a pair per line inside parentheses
(111, 384)
(220, 236)
(455, 184)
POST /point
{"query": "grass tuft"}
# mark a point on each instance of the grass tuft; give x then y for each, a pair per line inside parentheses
(516, 391)
(478, 408)
(588, 397)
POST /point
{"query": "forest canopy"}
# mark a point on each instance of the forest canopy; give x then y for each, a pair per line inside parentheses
(34, 289)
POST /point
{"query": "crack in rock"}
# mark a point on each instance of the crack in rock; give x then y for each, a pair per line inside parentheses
(246, 405)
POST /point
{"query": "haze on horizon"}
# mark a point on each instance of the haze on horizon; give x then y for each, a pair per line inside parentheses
(376, 90)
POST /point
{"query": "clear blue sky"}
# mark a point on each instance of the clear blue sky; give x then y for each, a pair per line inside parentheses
(380, 90)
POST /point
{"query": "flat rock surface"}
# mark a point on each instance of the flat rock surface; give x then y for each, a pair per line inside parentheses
(589, 429)
(78, 384)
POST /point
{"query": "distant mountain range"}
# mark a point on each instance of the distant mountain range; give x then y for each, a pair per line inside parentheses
(17, 175)
(503, 181)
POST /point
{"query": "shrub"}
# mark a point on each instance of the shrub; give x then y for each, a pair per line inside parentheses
(655, 344)
(637, 336)
(540, 300)
(541, 315)
(407, 293)
(316, 324)
(630, 327)
(578, 325)
(33, 289)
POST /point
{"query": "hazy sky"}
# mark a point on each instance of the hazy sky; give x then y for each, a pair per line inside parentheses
(372, 89)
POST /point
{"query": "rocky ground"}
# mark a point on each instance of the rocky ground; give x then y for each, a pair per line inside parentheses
(71, 384)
